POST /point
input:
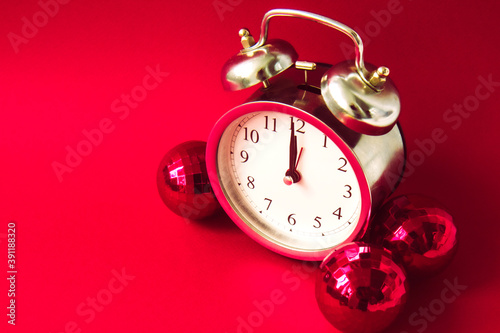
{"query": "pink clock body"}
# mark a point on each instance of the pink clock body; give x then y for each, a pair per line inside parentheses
(344, 175)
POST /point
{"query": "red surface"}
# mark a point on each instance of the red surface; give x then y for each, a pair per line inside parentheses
(75, 233)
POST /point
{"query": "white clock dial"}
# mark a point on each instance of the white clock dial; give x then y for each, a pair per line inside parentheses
(319, 210)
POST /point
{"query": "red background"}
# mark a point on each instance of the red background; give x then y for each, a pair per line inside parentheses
(106, 216)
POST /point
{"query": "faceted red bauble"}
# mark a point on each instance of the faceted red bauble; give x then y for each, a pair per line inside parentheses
(360, 289)
(183, 183)
(419, 231)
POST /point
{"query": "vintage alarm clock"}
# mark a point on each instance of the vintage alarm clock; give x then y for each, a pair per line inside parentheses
(302, 164)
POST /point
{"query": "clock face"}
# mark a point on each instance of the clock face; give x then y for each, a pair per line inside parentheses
(286, 182)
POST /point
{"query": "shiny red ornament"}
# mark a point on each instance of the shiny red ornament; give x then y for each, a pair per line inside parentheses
(418, 231)
(360, 289)
(183, 182)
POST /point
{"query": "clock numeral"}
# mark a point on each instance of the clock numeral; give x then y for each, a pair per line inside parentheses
(349, 188)
(338, 213)
(244, 156)
(254, 135)
(269, 205)
(324, 144)
(291, 220)
(250, 183)
(299, 129)
(343, 165)
(267, 123)
(317, 220)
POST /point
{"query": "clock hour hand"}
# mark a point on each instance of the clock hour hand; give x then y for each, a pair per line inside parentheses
(292, 175)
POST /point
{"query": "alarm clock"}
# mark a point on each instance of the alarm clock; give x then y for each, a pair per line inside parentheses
(301, 165)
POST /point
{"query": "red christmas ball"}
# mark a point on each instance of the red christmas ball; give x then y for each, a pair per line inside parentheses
(418, 231)
(183, 182)
(360, 289)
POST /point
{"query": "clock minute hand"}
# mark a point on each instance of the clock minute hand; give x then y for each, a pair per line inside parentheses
(291, 175)
(293, 150)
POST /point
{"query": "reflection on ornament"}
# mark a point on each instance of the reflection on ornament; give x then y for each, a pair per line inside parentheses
(360, 289)
(418, 231)
(183, 183)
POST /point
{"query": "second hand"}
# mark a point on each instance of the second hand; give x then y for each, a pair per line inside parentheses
(298, 158)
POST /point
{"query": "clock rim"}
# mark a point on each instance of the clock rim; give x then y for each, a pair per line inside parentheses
(278, 247)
